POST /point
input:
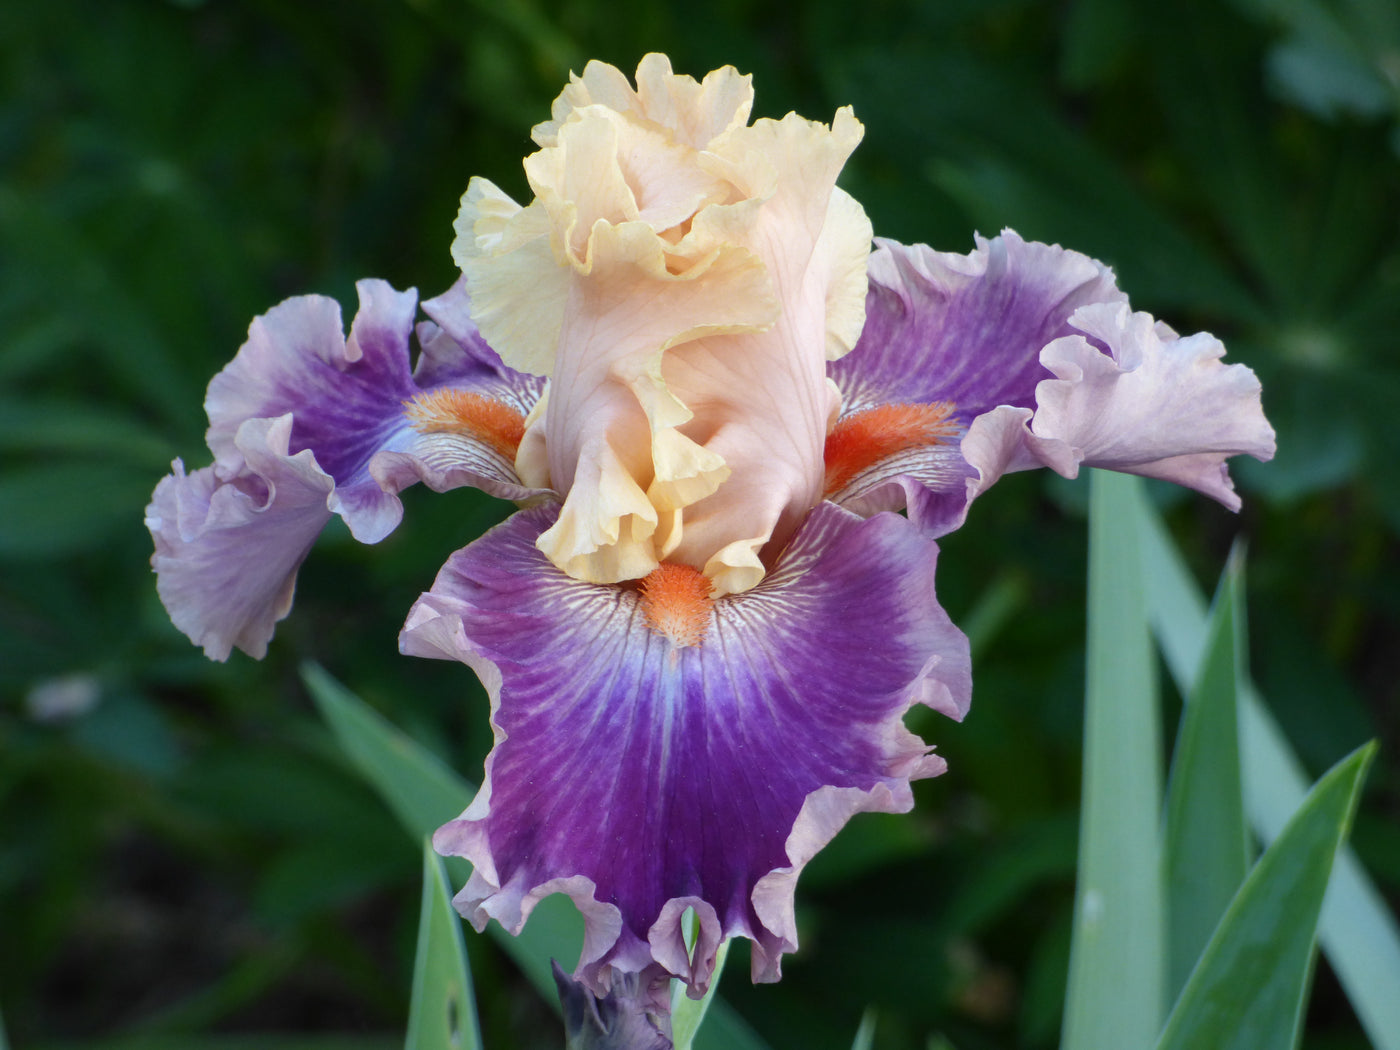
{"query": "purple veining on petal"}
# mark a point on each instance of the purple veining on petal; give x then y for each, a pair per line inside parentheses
(643, 778)
(345, 395)
(965, 329)
(305, 423)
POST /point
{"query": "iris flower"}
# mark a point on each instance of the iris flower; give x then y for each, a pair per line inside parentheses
(709, 395)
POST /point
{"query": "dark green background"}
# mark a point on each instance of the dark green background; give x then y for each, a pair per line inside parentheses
(189, 856)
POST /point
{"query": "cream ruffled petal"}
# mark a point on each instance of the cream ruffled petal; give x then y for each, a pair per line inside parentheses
(580, 182)
(695, 112)
(845, 244)
(604, 530)
(702, 273)
(518, 291)
(600, 85)
(762, 400)
(699, 112)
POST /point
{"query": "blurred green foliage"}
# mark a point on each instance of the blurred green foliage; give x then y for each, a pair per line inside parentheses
(183, 851)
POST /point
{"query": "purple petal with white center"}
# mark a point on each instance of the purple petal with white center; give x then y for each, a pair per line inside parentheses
(642, 777)
(965, 329)
(227, 552)
(305, 423)
(347, 398)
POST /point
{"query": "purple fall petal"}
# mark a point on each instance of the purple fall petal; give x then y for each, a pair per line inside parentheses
(1163, 407)
(643, 778)
(965, 329)
(227, 552)
(305, 423)
(1043, 364)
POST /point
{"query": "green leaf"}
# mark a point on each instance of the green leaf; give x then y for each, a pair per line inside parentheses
(552, 48)
(420, 789)
(865, 1034)
(1358, 932)
(54, 425)
(1203, 70)
(442, 1012)
(128, 730)
(1007, 156)
(1327, 79)
(1097, 38)
(864, 847)
(424, 794)
(4, 1043)
(58, 255)
(1207, 842)
(1250, 988)
(726, 1030)
(1116, 957)
(58, 509)
(1007, 595)
(319, 873)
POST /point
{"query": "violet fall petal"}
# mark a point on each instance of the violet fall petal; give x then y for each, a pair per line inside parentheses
(642, 777)
(347, 397)
(305, 423)
(227, 551)
(962, 329)
(1156, 404)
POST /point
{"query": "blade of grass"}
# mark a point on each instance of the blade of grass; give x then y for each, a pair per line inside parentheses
(1116, 959)
(1207, 842)
(417, 786)
(424, 793)
(994, 609)
(865, 1034)
(1250, 989)
(725, 1029)
(442, 1011)
(1358, 932)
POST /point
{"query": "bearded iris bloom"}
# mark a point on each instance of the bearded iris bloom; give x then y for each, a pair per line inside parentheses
(682, 358)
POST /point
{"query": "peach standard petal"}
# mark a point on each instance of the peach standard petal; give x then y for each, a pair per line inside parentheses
(696, 113)
(682, 278)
